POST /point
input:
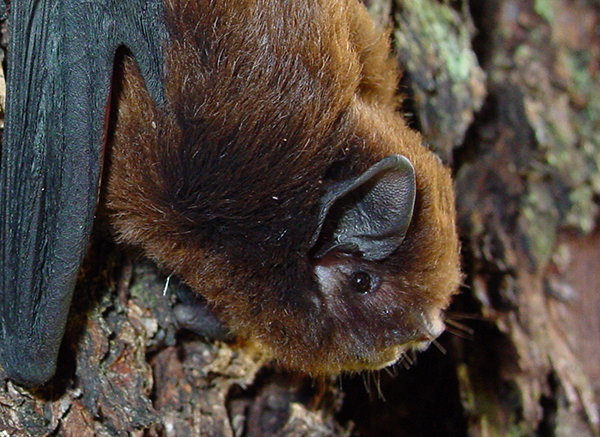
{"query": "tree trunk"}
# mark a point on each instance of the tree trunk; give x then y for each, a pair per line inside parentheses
(506, 91)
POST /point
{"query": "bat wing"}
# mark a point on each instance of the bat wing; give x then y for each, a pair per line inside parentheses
(60, 66)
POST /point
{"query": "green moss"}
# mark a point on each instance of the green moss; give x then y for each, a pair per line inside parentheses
(434, 43)
(449, 40)
(540, 222)
(564, 115)
(545, 8)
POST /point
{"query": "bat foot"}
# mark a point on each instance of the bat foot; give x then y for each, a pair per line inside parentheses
(193, 314)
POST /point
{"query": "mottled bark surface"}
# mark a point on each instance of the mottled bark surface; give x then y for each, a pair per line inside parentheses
(507, 92)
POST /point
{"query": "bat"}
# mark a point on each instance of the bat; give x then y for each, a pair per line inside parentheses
(255, 150)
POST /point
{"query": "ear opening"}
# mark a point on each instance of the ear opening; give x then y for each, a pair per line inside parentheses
(370, 214)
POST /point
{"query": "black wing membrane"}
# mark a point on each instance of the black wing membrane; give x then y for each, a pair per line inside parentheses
(60, 64)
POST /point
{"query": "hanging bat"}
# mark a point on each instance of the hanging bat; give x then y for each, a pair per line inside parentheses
(255, 150)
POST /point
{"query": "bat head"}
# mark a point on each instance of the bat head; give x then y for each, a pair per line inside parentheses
(382, 266)
(281, 184)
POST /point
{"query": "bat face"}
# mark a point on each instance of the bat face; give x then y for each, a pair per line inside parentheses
(280, 183)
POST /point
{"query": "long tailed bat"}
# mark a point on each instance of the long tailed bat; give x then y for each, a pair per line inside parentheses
(256, 152)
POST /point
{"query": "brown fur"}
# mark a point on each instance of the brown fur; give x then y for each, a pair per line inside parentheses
(222, 184)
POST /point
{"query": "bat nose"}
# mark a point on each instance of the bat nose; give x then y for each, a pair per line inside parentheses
(424, 338)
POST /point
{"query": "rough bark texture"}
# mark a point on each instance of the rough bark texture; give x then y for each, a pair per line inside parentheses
(505, 90)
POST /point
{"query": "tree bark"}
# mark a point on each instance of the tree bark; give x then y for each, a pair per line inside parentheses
(506, 91)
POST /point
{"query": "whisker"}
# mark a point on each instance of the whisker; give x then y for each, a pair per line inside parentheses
(438, 345)
(459, 330)
(392, 371)
(462, 316)
(459, 333)
(366, 377)
(406, 361)
(377, 380)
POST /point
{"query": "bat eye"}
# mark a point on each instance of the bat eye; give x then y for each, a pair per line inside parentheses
(361, 282)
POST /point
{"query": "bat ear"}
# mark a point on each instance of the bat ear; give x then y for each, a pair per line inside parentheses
(369, 214)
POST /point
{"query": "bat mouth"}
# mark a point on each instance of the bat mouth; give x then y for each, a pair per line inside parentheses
(395, 354)
(433, 327)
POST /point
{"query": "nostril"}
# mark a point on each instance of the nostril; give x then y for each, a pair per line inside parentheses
(424, 338)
